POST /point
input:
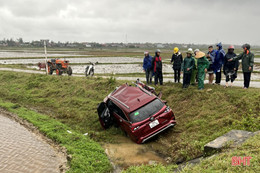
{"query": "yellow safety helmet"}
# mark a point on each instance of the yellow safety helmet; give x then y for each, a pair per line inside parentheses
(176, 50)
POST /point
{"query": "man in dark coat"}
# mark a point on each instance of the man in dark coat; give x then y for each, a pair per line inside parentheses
(230, 67)
(211, 57)
(157, 67)
(247, 63)
(177, 61)
(147, 67)
(187, 67)
(218, 62)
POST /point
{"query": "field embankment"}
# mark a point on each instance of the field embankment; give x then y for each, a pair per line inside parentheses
(201, 115)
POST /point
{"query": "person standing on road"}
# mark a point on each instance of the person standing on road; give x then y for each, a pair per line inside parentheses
(203, 65)
(194, 74)
(147, 67)
(218, 62)
(187, 67)
(230, 67)
(211, 57)
(157, 67)
(247, 63)
(177, 61)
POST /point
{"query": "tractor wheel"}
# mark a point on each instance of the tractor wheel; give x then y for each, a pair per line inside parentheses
(58, 72)
(69, 72)
(50, 70)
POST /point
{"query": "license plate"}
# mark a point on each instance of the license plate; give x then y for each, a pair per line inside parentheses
(154, 123)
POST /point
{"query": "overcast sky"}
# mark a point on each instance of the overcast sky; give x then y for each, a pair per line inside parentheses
(181, 21)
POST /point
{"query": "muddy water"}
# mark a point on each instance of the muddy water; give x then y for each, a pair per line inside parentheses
(22, 151)
(127, 153)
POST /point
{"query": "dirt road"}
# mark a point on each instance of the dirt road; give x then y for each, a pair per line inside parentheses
(24, 151)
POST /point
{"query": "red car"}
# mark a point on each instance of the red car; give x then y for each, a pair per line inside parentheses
(138, 111)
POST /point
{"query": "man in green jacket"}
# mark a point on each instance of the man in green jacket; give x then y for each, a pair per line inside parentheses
(187, 67)
(247, 63)
(203, 65)
(194, 72)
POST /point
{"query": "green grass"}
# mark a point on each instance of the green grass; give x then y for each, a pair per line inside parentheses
(201, 116)
(223, 161)
(150, 169)
(71, 100)
(87, 155)
(220, 163)
(204, 116)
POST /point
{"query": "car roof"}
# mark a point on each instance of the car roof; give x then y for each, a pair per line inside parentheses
(131, 98)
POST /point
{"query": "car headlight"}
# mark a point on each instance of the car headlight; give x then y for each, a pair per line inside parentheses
(136, 128)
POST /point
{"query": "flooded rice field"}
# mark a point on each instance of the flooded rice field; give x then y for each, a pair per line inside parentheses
(23, 151)
(135, 68)
(117, 68)
(30, 54)
(76, 60)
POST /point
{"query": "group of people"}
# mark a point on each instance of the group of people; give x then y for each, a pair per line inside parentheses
(196, 64)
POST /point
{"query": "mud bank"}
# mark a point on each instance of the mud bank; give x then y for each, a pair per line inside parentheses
(24, 149)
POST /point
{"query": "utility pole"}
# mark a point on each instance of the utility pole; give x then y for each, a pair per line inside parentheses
(46, 62)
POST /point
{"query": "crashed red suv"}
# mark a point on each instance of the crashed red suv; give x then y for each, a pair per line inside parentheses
(137, 110)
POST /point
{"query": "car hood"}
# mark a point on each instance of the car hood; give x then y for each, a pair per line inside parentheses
(132, 97)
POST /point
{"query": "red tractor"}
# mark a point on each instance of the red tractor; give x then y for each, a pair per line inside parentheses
(60, 66)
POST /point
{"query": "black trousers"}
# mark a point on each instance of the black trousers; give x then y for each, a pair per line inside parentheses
(149, 74)
(228, 78)
(218, 77)
(247, 77)
(186, 80)
(177, 75)
(158, 75)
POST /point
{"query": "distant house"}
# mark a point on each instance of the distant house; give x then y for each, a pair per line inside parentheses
(88, 45)
(160, 46)
(184, 46)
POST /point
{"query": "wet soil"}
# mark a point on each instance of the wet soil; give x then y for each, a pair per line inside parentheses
(24, 149)
(126, 153)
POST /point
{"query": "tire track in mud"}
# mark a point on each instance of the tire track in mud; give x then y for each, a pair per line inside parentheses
(24, 149)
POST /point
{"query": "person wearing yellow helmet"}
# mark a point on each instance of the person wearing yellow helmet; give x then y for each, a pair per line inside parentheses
(177, 61)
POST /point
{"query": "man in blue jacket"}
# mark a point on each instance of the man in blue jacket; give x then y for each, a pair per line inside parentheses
(218, 62)
(147, 67)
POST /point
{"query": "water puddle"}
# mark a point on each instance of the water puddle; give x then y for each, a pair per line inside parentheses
(24, 151)
(127, 153)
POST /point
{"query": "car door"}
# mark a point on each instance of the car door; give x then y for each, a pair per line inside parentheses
(121, 118)
(105, 118)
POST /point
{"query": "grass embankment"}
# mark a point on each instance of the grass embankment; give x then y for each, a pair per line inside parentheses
(219, 163)
(201, 115)
(86, 154)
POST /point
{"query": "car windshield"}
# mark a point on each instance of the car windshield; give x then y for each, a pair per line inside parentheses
(146, 111)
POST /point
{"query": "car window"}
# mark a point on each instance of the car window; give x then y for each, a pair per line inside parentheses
(116, 109)
(146, 111)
